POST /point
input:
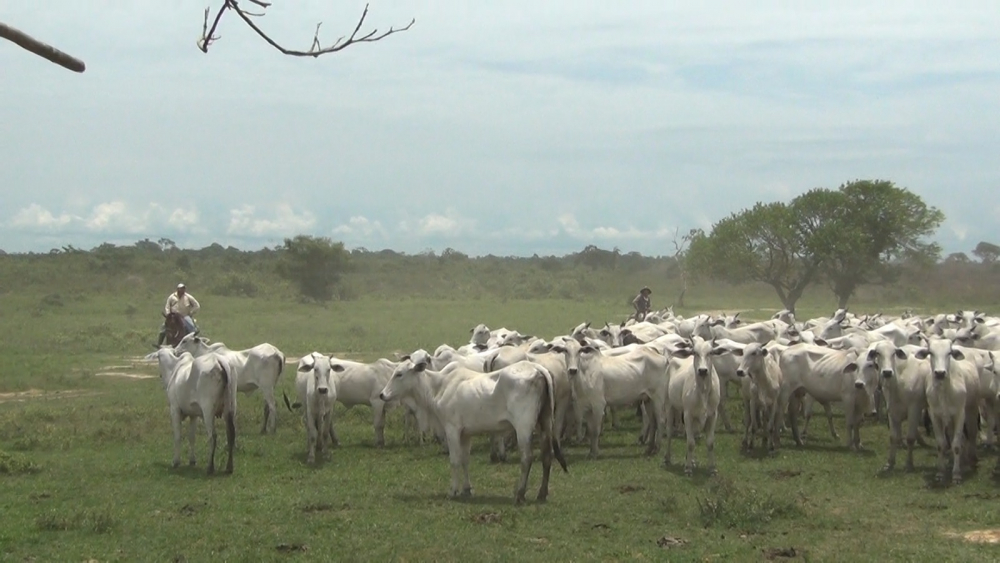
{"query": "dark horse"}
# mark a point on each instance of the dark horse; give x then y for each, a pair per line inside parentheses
(175, 329)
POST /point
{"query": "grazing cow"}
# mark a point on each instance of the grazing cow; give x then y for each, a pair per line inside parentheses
(255, 368)
(694, 391)
(519, 396)
(317, 395)
(204, 388)
(903, 378)
(599, 381)
(360, 383)
(950, 392)
(828, 376)
(760, 365)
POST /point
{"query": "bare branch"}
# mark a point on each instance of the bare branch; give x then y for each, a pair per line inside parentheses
(43, 50)
(315, 49)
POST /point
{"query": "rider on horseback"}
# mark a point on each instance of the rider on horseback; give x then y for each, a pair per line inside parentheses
(184, 304)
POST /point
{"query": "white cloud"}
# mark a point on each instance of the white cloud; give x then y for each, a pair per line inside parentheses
(571, 226)
(36, 216)
(359, 226)
(245, 221)
(447, 225)
(113, 218)
(960, 231)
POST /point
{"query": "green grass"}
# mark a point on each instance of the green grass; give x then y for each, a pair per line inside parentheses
(86, 475)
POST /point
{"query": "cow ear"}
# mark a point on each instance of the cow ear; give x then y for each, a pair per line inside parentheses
(681, 353)
(871, 354)
(718, 351)
(337, 367)
(471, 330)
(922, 354)
(556, 348)
(420, 367)
(900, 354)
(957, 354)
(851, 367)
(820, 342)
(979, 320)
(738, 352)
(304, 368)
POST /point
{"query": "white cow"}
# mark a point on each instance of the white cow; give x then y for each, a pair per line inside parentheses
(950, 392)
(828, 376)
(694, 391)
(599, 381)
(520, 396)
(903, 378)
(317, 395)
(255, 368)
(360, 383)
(196, 388)
(760, 365)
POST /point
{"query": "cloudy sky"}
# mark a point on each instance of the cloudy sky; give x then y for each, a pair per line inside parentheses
(491, 127)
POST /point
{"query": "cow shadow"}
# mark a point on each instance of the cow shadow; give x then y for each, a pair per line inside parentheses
(474, 500)
(699, 476)
(830, 447)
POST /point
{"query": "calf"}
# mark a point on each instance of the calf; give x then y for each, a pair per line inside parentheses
(694, 391)
(317, 395)
(519, 396)
(204, 388)
(950, 391)
(761, 366)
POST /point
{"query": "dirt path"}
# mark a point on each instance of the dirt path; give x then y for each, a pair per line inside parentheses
(22, 396)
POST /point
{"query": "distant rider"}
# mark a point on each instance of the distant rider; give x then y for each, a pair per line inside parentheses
(642, 304)
(182, 303)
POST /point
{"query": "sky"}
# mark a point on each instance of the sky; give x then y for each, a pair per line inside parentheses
(506, 128)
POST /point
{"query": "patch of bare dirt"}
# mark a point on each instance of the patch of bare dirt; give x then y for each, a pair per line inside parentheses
(782, 474)
(781, 553)
(978, 536)
(667, 542)
(630, 489)
(487, 518)
(21, 396)
(125, 375)
(292, 547)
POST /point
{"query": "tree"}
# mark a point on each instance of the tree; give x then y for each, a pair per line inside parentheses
(208, 35)
(314, 264)
(680, 258)
(957, 258)
(759, 244)
(987, 252)
(860, 230)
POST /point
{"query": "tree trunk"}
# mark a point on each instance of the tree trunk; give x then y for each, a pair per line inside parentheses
(35, 46)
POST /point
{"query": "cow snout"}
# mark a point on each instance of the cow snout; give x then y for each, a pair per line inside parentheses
(572, 371)
(859, 384)
(740, 373)
(887, 373)
(939, 374)
(382, 397)
(702, 372)
(322, 390)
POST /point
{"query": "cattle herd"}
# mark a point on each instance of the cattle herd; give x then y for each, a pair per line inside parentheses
(675, 371)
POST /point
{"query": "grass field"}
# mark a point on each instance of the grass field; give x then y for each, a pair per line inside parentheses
(85, 462)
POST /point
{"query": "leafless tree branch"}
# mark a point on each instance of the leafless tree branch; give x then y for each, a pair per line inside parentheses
(43, 50)
(316, 49)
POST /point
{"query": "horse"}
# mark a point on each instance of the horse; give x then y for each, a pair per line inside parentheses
(175, 328)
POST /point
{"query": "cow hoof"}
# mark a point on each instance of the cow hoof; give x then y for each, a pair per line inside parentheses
(713, 471)
(688, 471)
(909, 468)
(467, 493)
(886, 468)
(592, 455)
(210, 470)
(176, 464)
(191, 463)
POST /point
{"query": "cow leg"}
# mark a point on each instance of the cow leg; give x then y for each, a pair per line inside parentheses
(272, 407)
(941, 438)
(230, 440)
(559, 418)
(748, 424)
(957, 442)
(807, 408)
(895, 437)
(192, 426)
(267, 415)
(793, 407)
(312, 434)
(644, 416)
(723, 395)
(378, 411)
(613, 412)
(547, 453)
(912, 435)
(208, 416)
(524, 445)
(466, 453)
(710, 441)
(689, 430)
(851, 420)
(828, 410)
(329, 429)
(595, 422)
(455, 450)
(668, 422)
(175, 423)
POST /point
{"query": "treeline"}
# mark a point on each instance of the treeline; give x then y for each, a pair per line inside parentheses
(150, 269)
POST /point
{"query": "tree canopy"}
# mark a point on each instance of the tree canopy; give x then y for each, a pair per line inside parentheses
(314, 264)
(845, 237)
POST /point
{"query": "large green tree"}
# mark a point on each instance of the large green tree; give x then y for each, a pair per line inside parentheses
(849, 236)
(858, 232)
(314, 264)
(758, 244)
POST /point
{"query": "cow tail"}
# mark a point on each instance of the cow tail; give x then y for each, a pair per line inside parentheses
(229, 397)
(546, 414)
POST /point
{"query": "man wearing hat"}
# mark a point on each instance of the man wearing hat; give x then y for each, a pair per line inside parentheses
(182, 303)
(641, 304)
